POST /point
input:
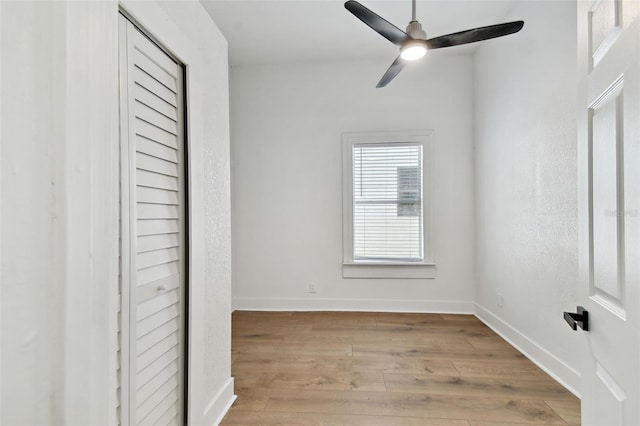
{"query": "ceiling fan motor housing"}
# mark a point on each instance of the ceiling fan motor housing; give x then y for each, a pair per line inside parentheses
(414, 29)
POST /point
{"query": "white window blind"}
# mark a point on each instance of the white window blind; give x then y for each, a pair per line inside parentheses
(388, 202)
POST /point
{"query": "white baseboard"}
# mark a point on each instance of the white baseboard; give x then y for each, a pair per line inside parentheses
(362, 305)
(556, 368)
(220, 404)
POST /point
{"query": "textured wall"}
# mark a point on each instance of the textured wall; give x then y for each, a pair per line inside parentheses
(29, 316)
(59, 199)
(59, 212)
(287, 121)
(526, 182)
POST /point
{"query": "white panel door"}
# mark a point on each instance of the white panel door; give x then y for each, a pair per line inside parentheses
(153, 232)
(609, 209)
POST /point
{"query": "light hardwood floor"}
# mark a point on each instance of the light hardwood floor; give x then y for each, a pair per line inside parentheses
(359, 368)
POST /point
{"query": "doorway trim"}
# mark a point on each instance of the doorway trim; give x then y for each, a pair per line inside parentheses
(186, 239)
(188, 33)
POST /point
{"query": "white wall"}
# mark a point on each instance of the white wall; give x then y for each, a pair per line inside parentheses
(30, 322)
(59, 207)
(526, 184)
(287, 121)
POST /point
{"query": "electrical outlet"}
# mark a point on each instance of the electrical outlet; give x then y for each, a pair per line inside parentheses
(313, 288)
(500, 300)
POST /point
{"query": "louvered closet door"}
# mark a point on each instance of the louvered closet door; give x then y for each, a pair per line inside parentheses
(153, 232)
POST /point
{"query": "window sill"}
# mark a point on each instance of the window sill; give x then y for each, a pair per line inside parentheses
(389, 270)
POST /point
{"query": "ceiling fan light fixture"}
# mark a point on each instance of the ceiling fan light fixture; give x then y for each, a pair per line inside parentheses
(413, 42)
(413, 50)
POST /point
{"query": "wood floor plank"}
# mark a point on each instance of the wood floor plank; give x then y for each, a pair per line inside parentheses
(355, 335)
(569, 410)
(409, 319)
(336, 349)
(400, 331)
(413, 405)
(404, 366)
(259, 315)
(322, 338)
(248, 329)
(343, 318)
(519, 368)
(330, 380)
(406, 349)
(258, 338)
(434, 352)
(238, 417)
(474, 386)
(425, 339)
(314, 379)
(251, 398)
(260, 380)
(489, 342)
(420, 320)
(255, 362)
(380, 337)
(485, 423)
(461, 317)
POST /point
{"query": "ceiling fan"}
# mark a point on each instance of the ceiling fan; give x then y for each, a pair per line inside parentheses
(414, 43)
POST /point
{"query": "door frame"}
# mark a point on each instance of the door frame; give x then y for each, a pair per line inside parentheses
(186, 238)
(206, 77)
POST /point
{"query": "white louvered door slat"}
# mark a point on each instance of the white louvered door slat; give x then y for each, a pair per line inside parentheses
(169, 373)
(158, 257)
(153, 133)
(152, 180)
(155, 102)
(156, 149)
(155, 242)
(153, 232)
(156, 227)
(163, 193)
(157, 211)
(147, 82)
(143, 44)
(164, 361)
(156, 165)
(157, 73)
(153, 117)
(157, 272)
(168, 346)
(149, 324)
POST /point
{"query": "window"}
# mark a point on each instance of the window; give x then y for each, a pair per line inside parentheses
(386, 206)
(387, 202)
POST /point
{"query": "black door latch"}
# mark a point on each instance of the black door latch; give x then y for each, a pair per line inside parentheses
(579, 319)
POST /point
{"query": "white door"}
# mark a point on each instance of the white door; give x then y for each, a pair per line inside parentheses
(609, 209)
(153, 232)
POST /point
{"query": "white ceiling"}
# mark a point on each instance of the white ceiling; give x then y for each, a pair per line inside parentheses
(277, 31)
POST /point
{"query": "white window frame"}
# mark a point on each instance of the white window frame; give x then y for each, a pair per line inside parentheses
(385, 269)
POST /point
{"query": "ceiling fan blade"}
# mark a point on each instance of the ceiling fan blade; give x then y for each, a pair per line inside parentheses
(476, 34)
(385, 28)
(393, 70)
